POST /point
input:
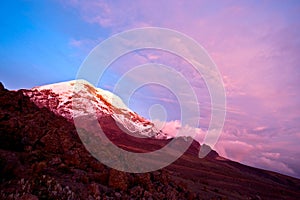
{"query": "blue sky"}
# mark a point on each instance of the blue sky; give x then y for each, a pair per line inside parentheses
(255, 44)
(35, 42)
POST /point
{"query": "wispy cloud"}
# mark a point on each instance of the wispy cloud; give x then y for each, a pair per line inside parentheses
(255, 46)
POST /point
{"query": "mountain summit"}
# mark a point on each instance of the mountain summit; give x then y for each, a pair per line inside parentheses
(79, 98)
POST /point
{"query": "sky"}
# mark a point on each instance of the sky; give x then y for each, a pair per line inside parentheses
(255, 45)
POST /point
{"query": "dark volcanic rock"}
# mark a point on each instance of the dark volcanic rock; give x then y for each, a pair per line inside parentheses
(118, 180)
(1, 86)
(42, 157)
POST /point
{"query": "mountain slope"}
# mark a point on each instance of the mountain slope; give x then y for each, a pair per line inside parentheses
(41, 156)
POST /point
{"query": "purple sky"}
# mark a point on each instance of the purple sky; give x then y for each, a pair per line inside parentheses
(255, 44)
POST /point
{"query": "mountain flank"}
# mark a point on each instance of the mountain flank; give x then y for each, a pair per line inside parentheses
(42, 157)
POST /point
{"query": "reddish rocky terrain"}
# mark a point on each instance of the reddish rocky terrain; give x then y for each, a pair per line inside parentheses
(42, 157)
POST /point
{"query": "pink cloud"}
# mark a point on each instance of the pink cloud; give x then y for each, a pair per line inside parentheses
(236, 149)
(275, 165)
(175, 129)
(260, 128)
(255, 46)
(271, 155)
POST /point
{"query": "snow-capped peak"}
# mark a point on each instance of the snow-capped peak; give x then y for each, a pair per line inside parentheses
(59, 98)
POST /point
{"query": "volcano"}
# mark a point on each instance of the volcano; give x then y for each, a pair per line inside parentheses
(79, 98)
(43, 157)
